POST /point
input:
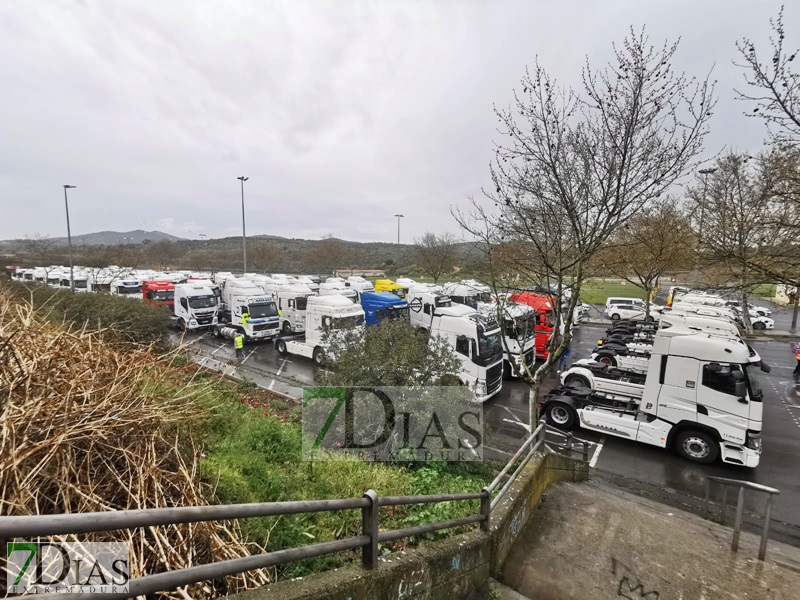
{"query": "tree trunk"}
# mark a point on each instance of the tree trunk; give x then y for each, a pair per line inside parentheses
(748, 326)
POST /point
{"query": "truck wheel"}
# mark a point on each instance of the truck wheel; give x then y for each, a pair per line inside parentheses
(181, 324)
(217, 332)
(319, 356)
(286, 328)
(578, 381)
(759, 325)
(697, 446)
(280, 346)
(615, 317)
(606, 359)
(560, 415)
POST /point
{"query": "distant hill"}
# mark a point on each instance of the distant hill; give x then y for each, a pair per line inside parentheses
(106, 238)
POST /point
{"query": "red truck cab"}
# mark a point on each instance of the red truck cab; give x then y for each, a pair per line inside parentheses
(158, 292)
(545, 320)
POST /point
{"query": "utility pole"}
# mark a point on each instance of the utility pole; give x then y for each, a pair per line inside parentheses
(705, 173)
(244, 238)
(69, 240)
(398, 227)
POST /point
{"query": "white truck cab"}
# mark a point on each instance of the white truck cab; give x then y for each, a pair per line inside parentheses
(195, 306)
(323, 313)
(519, 336)
(239, 297)
(701, 395)
(358, 284)
(476, 341)
(130, 287)
(423, 300)
(337, 288)
(292, 305)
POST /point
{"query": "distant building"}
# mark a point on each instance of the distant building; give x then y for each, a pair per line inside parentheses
(360, 272)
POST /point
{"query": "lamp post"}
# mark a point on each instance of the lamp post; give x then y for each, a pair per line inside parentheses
(69, 240)
(398, 227)
(705, 173)
(244, 238)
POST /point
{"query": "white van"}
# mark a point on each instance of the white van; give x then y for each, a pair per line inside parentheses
(636, 302)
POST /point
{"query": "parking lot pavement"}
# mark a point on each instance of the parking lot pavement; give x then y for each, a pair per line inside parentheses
(645, 470)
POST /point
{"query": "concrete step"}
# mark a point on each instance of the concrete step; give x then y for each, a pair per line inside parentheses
(494, 590)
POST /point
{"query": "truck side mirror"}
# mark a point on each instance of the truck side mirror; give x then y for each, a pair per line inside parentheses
(765, 367)
(740, 391)
(714, 367)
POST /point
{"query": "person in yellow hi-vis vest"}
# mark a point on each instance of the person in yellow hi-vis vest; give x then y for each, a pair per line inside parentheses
(245, 318)
(238, 343)
(796, 348)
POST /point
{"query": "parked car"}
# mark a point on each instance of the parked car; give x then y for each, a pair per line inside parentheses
(633, 312)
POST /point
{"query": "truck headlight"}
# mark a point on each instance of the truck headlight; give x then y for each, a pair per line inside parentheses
(192, 322)
(480, 388)
(752, 440)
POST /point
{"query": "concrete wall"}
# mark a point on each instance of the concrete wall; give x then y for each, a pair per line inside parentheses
(448, 569)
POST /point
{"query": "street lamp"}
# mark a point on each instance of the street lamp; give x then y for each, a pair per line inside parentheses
(69, 239)
(398, 226)
(244, 239)
(705, 173)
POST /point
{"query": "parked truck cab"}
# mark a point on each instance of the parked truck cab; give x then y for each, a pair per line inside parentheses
(544, 320)
(476, 341)
(324, 314)
(292, 304)
(387, 285)
(519, 336)
(241, 297)
(195, 306)
(330, 288)
(379, 306)
(701, 396)
(423, 300)
(128, 287)
(158, 292)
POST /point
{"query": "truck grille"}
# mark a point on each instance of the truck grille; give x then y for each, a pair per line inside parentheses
(204, 320)
(494, 378)
(265, 326)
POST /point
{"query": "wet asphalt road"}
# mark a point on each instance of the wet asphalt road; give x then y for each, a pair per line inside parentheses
(649, 471)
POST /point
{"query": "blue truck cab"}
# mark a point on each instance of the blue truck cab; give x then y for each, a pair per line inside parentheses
(383, 305)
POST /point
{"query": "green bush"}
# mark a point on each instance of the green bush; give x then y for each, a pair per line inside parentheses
(131, 319)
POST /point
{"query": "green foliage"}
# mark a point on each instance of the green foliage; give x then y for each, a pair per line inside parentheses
(596, 291)
(131, 319)
(392, 353)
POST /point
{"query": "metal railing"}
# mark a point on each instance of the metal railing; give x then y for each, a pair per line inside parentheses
(369, 505)
(737, 526)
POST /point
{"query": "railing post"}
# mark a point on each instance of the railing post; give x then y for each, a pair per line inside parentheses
(762, 549)
(486, 508)
(585, 451)
(723, 515)
(737, 526)
(369, 526)
(569, 444)
(543, 433)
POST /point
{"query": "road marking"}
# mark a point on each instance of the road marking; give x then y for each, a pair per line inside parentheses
(485, 447)
(471, 448)
(249, 355)
(516, 420)
(281, 367)
(220, 348)
(596, 454)
(271, 383)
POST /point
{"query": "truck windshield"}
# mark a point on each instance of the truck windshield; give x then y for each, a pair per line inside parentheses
(484, 297)
(520, 328)
(752, 372)
(490, 347)
(347, 322)
(80, 284)
(162, 295)
(399, 292)
(399, 313)
(261, 311)
(202, 301)
(129, 289)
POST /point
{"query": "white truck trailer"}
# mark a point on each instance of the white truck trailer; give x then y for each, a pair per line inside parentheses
(240, 296)
(323, 313)
(701, 395)
(195, 306)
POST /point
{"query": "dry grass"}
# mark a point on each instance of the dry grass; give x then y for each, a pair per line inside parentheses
(85, 427)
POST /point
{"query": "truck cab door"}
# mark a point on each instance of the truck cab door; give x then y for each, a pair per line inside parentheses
(722, 400)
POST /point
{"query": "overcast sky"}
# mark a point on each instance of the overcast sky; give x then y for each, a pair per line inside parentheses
(341, 113)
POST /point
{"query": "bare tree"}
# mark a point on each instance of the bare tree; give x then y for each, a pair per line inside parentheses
(573, 168)
(660, 240)
(435, 254)
(266, 256)
(772, 84)
(42, 250)
(735, 246)
(327, 255)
